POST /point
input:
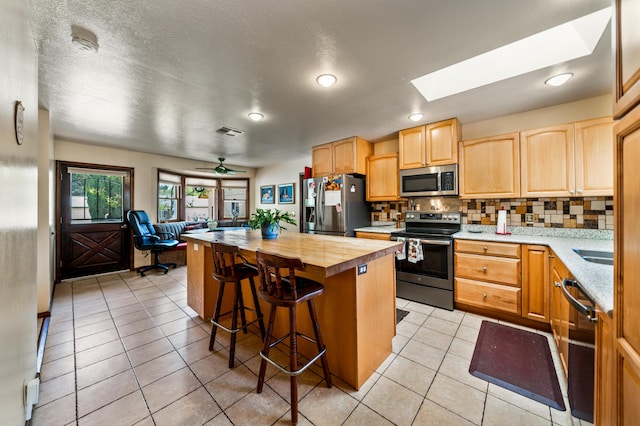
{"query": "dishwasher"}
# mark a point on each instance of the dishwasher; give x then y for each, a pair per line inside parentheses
(581, 362)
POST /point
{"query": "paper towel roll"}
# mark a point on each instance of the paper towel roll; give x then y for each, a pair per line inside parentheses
(502, 222)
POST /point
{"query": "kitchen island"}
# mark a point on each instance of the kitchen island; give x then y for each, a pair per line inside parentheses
(356, 312)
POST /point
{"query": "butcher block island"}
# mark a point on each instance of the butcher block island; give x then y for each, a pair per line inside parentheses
(356, 312)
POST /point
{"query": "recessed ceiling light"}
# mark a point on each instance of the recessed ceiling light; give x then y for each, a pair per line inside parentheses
(571, 40)
(256, 116)
(416, 117)
(559, 80)
(326, 80)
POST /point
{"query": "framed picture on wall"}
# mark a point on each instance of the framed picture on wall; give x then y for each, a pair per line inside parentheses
(267, 194)
(286, 194)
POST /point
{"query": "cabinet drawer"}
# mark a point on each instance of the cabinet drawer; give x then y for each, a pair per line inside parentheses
(373, 235)
(488, 248)
(488, 268)
(487, 295)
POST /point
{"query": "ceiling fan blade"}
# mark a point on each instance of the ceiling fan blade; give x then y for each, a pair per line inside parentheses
(221, 169)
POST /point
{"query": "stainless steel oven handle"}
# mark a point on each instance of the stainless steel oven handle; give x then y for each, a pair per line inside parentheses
(585, 310)
(432, 242)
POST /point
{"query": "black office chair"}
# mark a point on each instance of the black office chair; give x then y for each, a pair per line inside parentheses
(145, 237)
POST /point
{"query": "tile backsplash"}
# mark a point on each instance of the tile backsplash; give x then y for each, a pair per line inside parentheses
(550, 212)
(586, 213)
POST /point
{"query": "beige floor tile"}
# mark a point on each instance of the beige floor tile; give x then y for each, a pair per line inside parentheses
(155, 369)
(98, 353)
(96, 339)
(393, 401)
(51, 353)
(101, 370)
(195, 351)
(443, 326)
(500, 413)
(282, 385)
(134, 316)
(433, 338)
(105, 392)
(127, 410)
(56, 413)
(258, 409)
(56, 388)
(327, 406)
(125, 310)
(150, 351)
(386, 363)
(166, 317)
(248, 347)
(453, 316)
(528, 404)
(457, 397)
(360, 393)
(211, 367)
(462, 348)
(219, 420)
(473, 321)
(410, 374)
(57, 368)
(59, 338)
(162, 308)
(416, 318)
(92, 319)
(406, 328)
(195, 408)
(467, 333)
(398, 343)
(170, 388)
(423, 354)
(419, 307)
(188, 336)
(142, 338)
(232, 386)
(365, 416)
(431, 414)
(135, 327)
(178, 325)
(59, 326)
(458, 368)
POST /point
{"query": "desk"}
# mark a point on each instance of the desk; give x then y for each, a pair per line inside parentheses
(356, 312)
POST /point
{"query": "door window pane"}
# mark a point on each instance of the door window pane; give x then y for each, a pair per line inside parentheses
(168, 195)
(96, 197)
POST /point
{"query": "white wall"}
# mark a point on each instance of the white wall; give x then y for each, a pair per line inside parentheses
(145, 167)
(19, 211)
(46, 212)
(283, 172)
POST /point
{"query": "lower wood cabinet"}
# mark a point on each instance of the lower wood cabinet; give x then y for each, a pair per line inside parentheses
(605, 369)
(487, 275)
(560, 310)
(373, 235)
(535, 282)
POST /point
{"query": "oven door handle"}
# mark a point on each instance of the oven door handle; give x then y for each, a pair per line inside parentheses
(585, 310)
(432, 242)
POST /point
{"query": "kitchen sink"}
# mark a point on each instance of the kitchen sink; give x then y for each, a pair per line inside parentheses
(595, 256)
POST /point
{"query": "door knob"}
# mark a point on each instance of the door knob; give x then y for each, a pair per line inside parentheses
(124, 226)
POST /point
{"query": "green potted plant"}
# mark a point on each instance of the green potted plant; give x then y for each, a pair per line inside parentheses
(268, 220)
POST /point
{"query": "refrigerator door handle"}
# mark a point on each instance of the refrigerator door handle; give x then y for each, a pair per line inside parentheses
(320, 204)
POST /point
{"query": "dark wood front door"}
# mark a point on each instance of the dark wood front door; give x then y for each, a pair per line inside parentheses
(93, 234)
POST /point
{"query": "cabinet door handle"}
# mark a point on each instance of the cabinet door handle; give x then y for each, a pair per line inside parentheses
(571, 191)
(485, 248)
(579, 191)
(484, 296)
(557, 284)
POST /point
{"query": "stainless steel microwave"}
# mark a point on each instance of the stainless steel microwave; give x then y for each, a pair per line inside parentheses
(429, 181)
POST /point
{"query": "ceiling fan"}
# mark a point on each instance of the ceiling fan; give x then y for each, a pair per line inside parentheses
(221, 169)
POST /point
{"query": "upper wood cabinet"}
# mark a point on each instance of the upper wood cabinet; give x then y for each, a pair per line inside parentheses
(430, 145)
(382, 177)
(490, 167)
(571, 160)
(627, 53)
(343, 156)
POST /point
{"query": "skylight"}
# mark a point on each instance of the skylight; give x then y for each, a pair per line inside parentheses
(565, 42)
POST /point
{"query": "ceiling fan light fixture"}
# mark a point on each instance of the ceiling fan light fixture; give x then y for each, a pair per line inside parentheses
(416, 116)
(255, 116)
(326, 80)
(558, 80)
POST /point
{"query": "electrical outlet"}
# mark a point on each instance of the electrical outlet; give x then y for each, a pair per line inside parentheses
(528, 218)
(362, 269)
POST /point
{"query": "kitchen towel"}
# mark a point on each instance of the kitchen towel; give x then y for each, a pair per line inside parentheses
(415, 250)
(402, 253)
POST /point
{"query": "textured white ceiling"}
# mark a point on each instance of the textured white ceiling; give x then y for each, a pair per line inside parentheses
(170, 73)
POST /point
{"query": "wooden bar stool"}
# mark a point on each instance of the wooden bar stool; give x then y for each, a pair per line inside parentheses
(229, 267)
(288, 292)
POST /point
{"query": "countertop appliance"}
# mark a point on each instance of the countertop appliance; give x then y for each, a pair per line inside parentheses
(580, 365)
(429, 181)
(335, 205)
(430, 280)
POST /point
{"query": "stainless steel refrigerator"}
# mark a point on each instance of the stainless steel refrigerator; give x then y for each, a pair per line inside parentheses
(335, 206)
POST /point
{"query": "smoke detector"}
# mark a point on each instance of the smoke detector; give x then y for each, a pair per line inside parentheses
(84, 39)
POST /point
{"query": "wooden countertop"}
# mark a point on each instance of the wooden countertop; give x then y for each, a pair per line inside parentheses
(322, 255)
